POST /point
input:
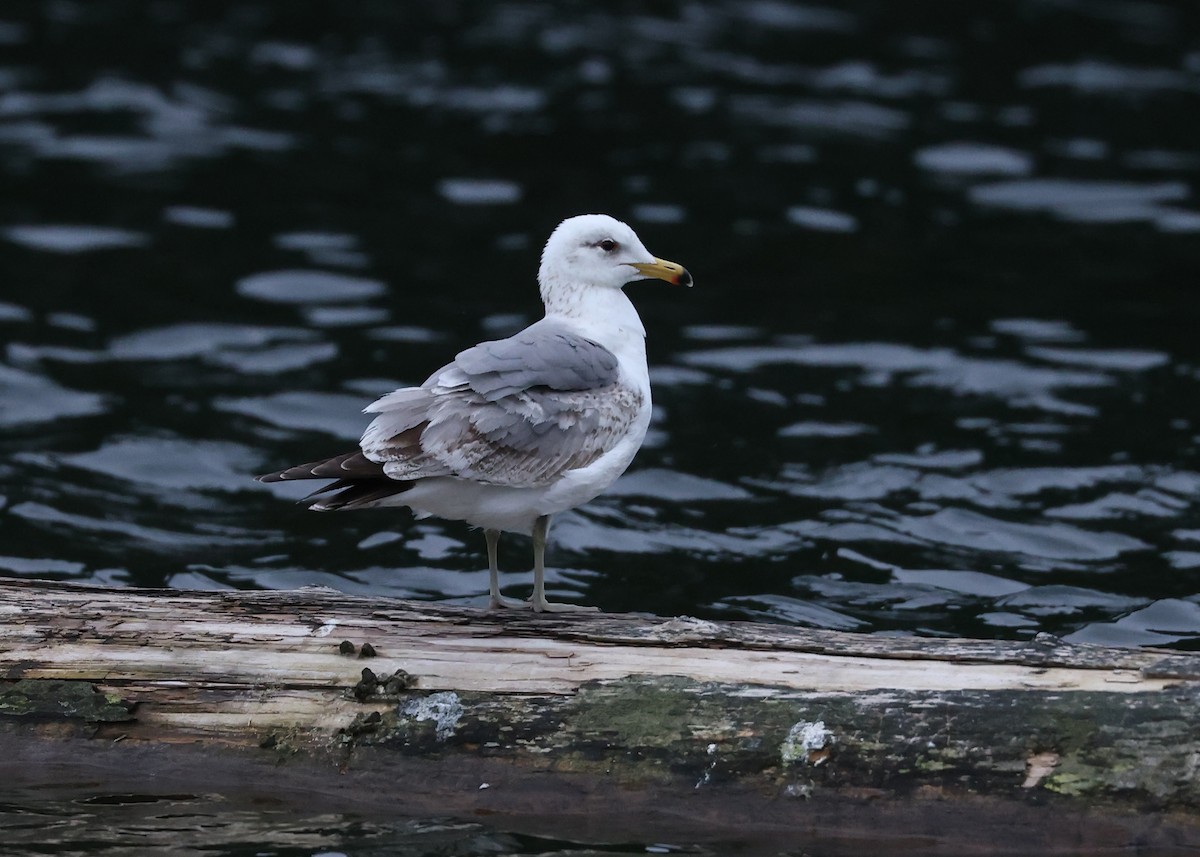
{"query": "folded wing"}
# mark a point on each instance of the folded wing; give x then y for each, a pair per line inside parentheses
(520, 411)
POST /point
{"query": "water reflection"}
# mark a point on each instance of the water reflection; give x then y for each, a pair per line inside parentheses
(35, 821)
(938, 377)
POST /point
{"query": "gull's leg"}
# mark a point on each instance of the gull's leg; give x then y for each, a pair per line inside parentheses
(498, 600)
(541, 527)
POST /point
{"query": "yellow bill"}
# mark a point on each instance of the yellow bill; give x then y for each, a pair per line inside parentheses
(661, 269)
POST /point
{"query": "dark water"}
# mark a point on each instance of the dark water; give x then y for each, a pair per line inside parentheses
(939, 374)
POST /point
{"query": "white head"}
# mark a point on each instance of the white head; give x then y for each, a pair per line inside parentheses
(598, 250)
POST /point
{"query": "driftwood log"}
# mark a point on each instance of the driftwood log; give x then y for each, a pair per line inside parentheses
(680, 726)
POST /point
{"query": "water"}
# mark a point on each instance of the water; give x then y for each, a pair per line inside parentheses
(938, 375)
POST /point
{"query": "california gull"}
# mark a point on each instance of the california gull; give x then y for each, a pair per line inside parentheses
(516, 430)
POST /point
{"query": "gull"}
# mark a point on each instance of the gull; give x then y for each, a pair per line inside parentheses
(514, 431)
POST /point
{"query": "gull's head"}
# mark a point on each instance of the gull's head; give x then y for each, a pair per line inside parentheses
(600, 251)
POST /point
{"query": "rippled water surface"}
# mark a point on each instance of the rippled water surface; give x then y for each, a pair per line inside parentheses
(939, 373)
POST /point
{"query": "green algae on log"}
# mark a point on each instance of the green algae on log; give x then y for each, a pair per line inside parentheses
(56, 699)
(680, 706)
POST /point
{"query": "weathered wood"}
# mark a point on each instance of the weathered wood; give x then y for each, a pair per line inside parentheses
(681, 706)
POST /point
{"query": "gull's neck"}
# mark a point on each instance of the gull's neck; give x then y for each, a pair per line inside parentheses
(594, 307)
(604, 315)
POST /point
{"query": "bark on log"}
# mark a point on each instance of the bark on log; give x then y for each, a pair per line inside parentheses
(723, 722)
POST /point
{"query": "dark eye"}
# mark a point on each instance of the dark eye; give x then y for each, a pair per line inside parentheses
(608, 245)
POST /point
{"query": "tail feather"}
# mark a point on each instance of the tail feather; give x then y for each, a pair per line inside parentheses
(358, 493)
(358, 481)
(349, 465)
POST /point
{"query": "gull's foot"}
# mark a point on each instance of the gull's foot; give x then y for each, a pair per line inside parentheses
(541, 605)
(499, 602)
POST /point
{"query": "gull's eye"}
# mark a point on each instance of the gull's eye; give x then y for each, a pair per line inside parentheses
(607, 245)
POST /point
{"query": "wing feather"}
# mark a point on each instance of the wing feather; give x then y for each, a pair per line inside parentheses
(519, 411)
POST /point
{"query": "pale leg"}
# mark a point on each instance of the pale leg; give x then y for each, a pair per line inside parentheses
(498, 600)
(541, 528)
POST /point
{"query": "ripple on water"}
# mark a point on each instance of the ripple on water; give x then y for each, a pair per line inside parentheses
(300, 286)
(14, 313)
(331, 413)
(289, 56)
(176, 464)
(931, 458)
(249, 349)
(1103, 78)
(274, 359)
(1170, 620)
(1016, 383)
(584, 533)
(120, 153)
(659, 212)
(199, 218)
(974, 159)
(722, 332)
(462, 191)
(976, 583)
(316, 241)
(1183, 560)
(40, 566)
(864, 78)
(794, 611)
(876, 597)
(821, 219)
(1118, 505)
(816, 429)
(962, 528)
(30, 399)
(63, 238)
(671, 485)
(1123, 359)
(1061, 600)
(1084, 200)
(188, 125)
(344, 316)
(405, 333)
(331, 249)
(183, 341)
(384, 537)
(428, 582)
(1007, 488)
(1028, 481)
(1038, 329)
(196, 580)
(776, 14)
(857, 481)
(58, 521)
(852, 118)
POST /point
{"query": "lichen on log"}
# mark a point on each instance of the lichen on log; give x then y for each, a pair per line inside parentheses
(56, 699)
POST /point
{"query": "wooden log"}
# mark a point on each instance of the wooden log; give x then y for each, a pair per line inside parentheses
(721, 721)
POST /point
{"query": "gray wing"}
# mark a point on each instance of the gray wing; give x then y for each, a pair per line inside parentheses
(542, 355)
(519, 411)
